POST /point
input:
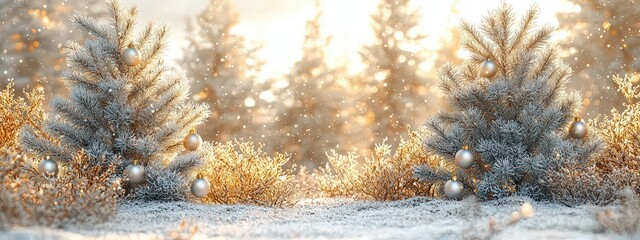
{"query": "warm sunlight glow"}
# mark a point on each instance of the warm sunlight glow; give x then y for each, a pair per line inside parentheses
(280, 30)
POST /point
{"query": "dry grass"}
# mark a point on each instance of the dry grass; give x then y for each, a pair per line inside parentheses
(240, 173)
(384, 176)
(16, 112)
(616, 167)
(621, 131)
(80, 194)
(307, 184)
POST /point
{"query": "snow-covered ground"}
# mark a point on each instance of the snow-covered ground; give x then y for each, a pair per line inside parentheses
(417, 218)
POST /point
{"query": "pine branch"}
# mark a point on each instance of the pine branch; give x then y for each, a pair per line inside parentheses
(538, 40)
(153, 53)
(90, 25)
(525, 29)
(185, 163)
(449, 79)
(145, 36)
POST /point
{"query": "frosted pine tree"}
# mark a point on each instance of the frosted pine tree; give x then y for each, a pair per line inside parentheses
(310, 120)
(120, 112)
(224, 72)
(604, 41)
(395, 82)
(32, 39)
(516, 121)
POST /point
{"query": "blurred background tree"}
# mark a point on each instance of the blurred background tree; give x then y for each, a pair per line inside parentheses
(224, 72)
(396, 85)
(311, 111)
(33, 33)
(603, 41)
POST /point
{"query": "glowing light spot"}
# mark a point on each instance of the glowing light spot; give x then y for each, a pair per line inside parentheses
(250, 102)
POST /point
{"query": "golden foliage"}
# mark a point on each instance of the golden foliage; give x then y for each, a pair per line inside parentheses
(384, 176)
(616, 167)
(307, 184)
(241, 174)
(16, 112)
(80, 194)
(621, 131)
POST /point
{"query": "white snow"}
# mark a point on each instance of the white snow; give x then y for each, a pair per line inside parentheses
(416, 218)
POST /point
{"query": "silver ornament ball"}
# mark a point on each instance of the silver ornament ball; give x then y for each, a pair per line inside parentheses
(453, 189)
(192, 141)
(488, 69)
(134, 173)
(200, 187)
(578, 129)
(131, 56)
(464, 157)
(48, 167)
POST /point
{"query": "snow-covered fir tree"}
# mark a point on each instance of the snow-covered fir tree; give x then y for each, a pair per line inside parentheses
(310, 116)
(120, 112)
(395, 84)
(223, 71)
(604, 41)
(32, 39)
(514, 122)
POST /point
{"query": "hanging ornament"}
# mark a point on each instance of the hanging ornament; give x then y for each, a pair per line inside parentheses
(48, 167)
(453, 189)
(200, 186)
(131, 56)
(134, 173)
(192, 141)
(578, 129)
(488, 69)
(464, 157)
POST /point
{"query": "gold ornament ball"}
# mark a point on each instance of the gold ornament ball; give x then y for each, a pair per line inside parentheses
(453, 189)
(134, 173)
(464, 157)
(131, 56)
(200, 187)
(48, 167)
(488, 69)
(578, 129)
(192, 141)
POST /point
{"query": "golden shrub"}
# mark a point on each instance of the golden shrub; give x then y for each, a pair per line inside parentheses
(384, 176)
(16, 112)
(80, 194)
(618, 164)
(240, 173)
(621, 131)
(307, 184)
